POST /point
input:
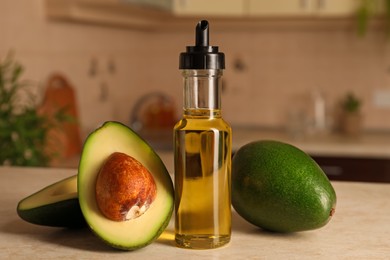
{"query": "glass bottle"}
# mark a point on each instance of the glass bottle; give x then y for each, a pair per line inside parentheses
(202, 147)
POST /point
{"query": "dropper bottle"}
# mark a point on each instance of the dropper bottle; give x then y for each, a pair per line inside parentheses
(202, 147)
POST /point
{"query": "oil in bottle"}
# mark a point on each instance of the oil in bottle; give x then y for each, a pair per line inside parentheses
(202, 147)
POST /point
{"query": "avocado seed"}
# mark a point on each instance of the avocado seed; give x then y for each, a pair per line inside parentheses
(124, 188)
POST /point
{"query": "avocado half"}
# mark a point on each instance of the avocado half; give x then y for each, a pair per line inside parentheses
(56, 205)
(114, 137)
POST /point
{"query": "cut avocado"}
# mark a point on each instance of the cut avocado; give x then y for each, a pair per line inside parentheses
(113, 137)
(56, 205)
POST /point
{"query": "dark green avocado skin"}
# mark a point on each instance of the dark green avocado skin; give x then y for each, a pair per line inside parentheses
(65, 213)
(278, 187)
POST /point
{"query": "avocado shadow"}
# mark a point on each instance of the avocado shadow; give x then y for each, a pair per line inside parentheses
(240, 225)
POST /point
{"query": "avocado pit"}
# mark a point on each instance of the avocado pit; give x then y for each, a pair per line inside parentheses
(125, 188)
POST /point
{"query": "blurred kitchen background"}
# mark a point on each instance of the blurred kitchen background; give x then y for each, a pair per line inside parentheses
(290, 65)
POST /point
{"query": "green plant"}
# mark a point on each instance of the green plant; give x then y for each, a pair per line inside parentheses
(23, 131)
(366, 11)
(351, 103)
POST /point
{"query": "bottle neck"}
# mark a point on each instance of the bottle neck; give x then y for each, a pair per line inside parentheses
(202, 92)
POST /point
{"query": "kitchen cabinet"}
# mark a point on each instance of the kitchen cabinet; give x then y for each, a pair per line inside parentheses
(177, 14)
(302, 8)
(147, 15)
(279, 8)
(255, 8)
(355, 168)
(115, 13)
(336, 8)
(207, 7)
(195, 7)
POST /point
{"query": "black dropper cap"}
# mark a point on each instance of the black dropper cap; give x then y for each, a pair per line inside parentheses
(202, 56)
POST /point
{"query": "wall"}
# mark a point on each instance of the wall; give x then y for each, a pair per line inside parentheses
(283, 64)
(45, 47)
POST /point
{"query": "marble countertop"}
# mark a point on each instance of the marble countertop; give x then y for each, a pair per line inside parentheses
(359, 230)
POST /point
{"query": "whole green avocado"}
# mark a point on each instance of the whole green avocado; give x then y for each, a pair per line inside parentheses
(280, 188)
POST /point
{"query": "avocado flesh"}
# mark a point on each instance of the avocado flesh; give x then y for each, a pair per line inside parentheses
(56, 205)
(280, 188)
(136, 233)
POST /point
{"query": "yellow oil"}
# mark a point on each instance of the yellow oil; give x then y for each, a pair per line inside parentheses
(202, 182)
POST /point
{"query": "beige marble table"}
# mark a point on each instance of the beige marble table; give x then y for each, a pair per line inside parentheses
(360, 229)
